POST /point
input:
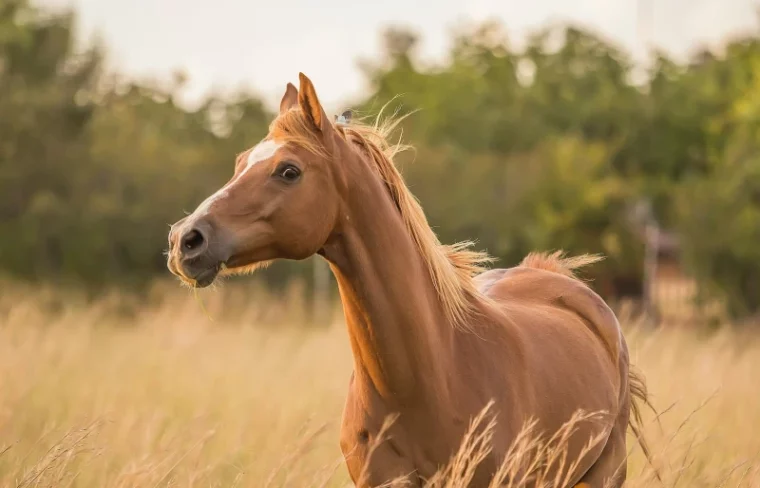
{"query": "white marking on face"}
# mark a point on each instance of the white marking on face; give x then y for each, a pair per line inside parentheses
(261, 152)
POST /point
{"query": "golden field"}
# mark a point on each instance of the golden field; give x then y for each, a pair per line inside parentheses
(240, 389)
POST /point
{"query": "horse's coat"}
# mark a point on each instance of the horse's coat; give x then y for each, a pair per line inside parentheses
(434, 337)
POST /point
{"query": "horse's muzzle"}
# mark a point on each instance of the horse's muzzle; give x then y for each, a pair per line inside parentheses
(196, 253)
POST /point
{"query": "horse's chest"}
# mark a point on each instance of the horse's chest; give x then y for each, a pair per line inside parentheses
(380, 445)
(376, 443)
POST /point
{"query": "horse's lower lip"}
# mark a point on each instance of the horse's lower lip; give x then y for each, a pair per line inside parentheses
(205, 278)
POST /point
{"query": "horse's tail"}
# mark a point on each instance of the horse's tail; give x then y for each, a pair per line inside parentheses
(640, 397)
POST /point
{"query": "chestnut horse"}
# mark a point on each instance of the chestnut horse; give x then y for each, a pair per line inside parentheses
(434, 337)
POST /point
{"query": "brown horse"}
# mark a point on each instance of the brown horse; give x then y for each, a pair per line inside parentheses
(434, 337)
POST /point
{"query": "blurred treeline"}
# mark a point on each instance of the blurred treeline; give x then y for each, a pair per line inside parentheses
(558, 144)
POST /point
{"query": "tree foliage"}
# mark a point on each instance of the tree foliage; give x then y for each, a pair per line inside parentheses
(544, 147)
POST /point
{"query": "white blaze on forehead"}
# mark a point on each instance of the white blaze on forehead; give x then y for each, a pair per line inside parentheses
(261, 152)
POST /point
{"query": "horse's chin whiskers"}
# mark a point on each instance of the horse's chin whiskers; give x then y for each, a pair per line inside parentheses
(243, 270)
(185, 282)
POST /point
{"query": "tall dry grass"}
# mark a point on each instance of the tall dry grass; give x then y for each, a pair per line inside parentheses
(150, 392)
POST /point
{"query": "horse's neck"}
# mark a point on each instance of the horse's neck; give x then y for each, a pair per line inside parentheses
(398, 332)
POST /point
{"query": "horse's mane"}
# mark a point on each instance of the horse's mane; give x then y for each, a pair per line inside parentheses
(451, 267)
(557, 262)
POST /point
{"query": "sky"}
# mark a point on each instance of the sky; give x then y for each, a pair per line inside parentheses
(262, 45)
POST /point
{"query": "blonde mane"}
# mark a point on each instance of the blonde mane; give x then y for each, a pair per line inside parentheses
(451, 267)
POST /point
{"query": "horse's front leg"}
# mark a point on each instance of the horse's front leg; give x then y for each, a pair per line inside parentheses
(376, 461)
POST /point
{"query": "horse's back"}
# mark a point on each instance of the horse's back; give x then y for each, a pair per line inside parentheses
(545, 294)
(570, 348)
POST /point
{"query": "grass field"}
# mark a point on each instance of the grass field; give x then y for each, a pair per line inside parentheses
(164, 392)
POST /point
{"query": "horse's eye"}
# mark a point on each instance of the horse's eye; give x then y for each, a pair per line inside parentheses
(288, 172)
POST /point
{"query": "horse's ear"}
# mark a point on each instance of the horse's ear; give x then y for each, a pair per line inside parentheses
(290, 98)
(307, 99)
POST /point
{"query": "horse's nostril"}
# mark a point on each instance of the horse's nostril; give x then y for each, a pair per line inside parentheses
(192, 241)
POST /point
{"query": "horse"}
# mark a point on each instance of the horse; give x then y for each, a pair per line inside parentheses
(435, 335)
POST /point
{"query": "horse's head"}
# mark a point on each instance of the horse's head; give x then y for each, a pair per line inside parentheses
(282, 201)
